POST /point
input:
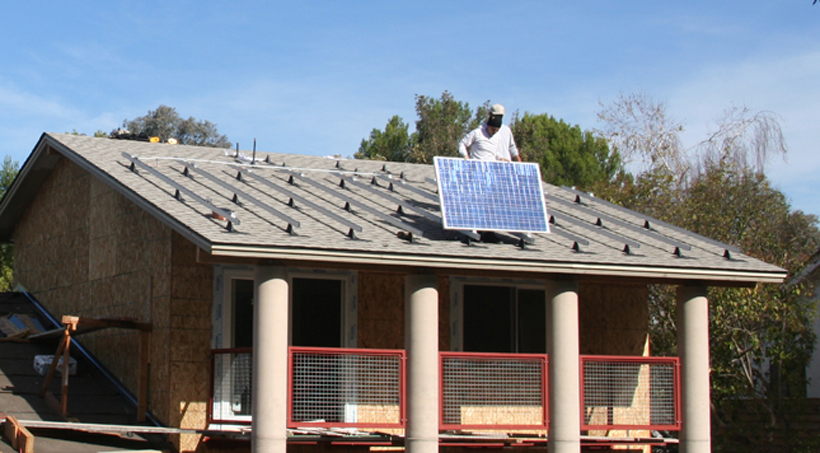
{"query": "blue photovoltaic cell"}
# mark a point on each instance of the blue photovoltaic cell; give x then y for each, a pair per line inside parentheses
(491, 196)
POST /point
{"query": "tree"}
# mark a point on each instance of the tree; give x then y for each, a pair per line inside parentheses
(392, 145)
(639, 129)
(718, 188)
(7, 174)
(441, 124)
(568, 155)
(165, 123)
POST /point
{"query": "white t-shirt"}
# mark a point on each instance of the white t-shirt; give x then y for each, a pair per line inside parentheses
(500, 146)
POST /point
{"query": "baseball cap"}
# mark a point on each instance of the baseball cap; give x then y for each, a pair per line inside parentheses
(497, 109)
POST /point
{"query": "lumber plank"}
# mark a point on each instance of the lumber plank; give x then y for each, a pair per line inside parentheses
(19, 437)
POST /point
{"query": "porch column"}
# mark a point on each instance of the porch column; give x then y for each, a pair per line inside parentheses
(564, 364)
(270, 360)
(421, 342)
(693, 349)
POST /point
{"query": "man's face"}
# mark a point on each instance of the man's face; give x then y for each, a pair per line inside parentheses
(492, 130)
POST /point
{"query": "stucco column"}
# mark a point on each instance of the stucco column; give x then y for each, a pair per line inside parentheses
(693, 349)
(421, 342)
(564, 364)
(270, 360)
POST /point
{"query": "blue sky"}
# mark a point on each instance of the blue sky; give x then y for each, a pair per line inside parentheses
(316, 77)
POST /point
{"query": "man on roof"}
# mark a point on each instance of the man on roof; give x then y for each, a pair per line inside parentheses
(490, 141)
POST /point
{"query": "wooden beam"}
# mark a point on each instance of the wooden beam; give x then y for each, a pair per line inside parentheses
(18, 436)
(53, 368)
(66, 360)
(145, 360)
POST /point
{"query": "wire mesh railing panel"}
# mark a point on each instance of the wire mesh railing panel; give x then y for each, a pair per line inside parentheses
(232, 371)
(347, 387)
(493, 391)
(630, 393)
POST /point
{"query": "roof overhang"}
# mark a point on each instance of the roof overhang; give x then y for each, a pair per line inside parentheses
(461, 264)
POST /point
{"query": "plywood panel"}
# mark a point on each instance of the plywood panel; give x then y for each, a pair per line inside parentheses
(614, 319)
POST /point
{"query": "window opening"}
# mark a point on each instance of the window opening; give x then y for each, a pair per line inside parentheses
(499, 318)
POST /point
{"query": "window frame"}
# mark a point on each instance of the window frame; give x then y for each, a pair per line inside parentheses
(457, 284)
(223, 310)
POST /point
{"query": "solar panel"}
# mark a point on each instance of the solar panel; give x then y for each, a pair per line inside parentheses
(491, 196)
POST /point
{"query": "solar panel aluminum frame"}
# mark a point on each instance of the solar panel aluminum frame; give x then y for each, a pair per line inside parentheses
(542, 215)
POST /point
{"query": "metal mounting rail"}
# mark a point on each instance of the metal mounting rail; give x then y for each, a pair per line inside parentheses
(605, 218)
(596, 229)
(180, 190)
(404, 205)
(351, 202)
(651, 220)
(292, 223)
(392, 183)
(245, 173)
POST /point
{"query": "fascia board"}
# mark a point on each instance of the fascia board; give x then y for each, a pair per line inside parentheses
(24, 188)
(467, 264)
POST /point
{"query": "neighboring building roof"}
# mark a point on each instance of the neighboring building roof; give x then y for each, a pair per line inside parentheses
(93, 398)
(292, 207)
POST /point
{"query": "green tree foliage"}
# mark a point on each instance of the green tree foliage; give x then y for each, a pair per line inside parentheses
(568, 155)
(165, 123)
(761, 337)
(99, 134)
(8, 172)
(441, 124)
(391, 145)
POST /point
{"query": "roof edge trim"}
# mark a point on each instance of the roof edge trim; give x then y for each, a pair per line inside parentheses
(665, 273)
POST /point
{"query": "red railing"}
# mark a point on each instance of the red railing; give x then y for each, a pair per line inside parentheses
(493, 391)
(331, 387)
(346, 388)
(630, 393)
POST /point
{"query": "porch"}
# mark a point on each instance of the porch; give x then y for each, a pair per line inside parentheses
(364, 391)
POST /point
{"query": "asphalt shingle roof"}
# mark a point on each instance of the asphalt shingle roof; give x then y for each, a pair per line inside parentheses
(589, 235)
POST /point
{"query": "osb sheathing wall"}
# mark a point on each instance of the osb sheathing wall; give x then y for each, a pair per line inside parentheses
(83, 249)
(614, 319)
(381, 311)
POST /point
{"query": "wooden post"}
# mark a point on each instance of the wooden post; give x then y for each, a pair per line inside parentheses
(66, 359)
(142, 397)
(53, 367)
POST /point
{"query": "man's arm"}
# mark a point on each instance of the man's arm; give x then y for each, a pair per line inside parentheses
(514, 149)
(464, 145)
